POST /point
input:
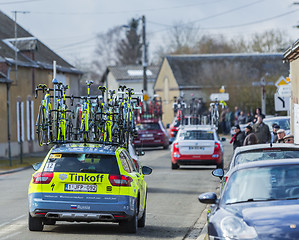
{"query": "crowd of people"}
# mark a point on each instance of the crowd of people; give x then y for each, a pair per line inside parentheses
(255, 132)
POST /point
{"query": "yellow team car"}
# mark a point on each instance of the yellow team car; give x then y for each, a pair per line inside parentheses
(88, 183)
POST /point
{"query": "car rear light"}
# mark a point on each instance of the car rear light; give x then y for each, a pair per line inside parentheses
(120, 180)
(176, 146)
(119, 216)
(40, 213)
(225, 179)
(43, 177)
(176, 155)
(217, 145)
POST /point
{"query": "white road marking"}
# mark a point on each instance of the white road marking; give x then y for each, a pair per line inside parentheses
(11, 228)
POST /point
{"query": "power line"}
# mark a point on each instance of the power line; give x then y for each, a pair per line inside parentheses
(209, 17)
(130, 11)
(76, 43)
(251, 23)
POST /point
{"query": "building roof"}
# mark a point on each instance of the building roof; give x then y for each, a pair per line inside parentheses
(26, 42)
(292, 53)
(133, 72)
(209, 70)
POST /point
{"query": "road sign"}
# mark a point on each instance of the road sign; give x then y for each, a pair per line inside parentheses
(284, 90)
(281, 81)
(281, 103)
(219, 97)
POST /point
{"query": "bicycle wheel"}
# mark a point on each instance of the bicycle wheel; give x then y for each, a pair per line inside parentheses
(40, 125)
(69, 128)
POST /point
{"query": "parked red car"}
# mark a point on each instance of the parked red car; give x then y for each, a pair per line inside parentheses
(151, 133)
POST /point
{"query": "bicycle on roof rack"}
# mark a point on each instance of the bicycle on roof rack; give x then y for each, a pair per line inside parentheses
(44, 121)
(111, 122)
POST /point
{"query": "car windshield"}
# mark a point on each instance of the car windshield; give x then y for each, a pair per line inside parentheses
(262, 184)
(74, 162)
(284, 123)
(197, 135)
(265, 155)
(148, 126)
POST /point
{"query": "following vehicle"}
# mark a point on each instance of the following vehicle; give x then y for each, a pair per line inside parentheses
(86, 182)
(151, 133)
(197, 145)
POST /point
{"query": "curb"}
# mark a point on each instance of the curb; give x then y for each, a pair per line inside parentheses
(14, 170)
(204, 233)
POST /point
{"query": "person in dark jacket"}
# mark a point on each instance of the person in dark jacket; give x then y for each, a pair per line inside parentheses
(238, 138)
(262, 131)
(250, 137)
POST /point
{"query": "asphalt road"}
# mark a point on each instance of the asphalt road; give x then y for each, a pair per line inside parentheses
(172, 207)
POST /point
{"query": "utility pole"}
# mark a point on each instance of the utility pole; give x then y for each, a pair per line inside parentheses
(262, 84)
(16, 41)
(144, 55)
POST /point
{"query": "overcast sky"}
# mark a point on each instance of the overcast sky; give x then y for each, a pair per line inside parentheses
(69, 27)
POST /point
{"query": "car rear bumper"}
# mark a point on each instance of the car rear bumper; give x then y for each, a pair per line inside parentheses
(197, 159)
(196, 162)
(150, 143)
(105, 208)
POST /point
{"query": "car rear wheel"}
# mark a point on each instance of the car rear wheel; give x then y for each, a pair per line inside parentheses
(130, 226)
(174, 165)
(141, 221)
(35, 224)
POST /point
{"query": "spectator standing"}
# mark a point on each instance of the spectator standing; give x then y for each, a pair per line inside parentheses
(250, 137)
(275, 128)
(249, 117)
(261, 130)
(228, 120)
(236, 115)
(238, 139)
(222, 120)
(242, 118)
(258, 112)
(280, 135)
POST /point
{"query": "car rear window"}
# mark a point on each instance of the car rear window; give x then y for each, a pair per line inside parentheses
(198, 135)
(148, 126)
(74, 162)
(265, 155)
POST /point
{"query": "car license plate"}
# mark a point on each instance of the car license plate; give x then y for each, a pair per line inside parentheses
(196, 148)
(80, 188)
(147, 135)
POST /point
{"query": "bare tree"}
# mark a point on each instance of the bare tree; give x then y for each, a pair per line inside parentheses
(106, 51)
(269, 41)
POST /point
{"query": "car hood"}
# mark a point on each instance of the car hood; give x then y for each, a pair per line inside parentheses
(271, 219)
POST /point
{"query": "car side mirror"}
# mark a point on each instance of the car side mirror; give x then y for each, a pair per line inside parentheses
(223, 139)
(218, 172)
(208, 198)
(146, 170)
(167, 125)
(36, 166)
(139, 153)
